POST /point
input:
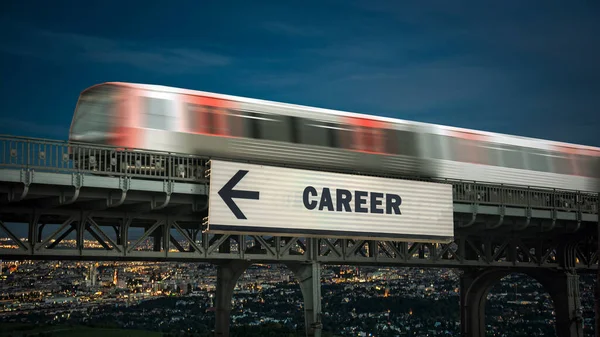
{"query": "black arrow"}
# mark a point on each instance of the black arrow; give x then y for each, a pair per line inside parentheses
(227, 193)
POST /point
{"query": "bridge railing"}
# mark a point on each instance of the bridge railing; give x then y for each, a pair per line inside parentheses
(61, 156)
(524, 196)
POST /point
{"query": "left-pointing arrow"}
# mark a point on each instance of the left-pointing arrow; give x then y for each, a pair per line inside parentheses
(227, 193)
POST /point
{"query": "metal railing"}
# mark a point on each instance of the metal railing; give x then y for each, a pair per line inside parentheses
(60, 156)
(486, 194)
(67, 157)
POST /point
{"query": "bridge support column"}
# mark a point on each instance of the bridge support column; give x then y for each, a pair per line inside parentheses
(309, 277)
(473, 296)
(227, 276)
(563, 287)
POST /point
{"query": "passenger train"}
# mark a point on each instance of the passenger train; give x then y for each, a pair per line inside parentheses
(227, 127)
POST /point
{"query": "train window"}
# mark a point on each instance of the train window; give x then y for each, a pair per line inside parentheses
(95, 110)
(294, 130)
(208, 119)
(492, 155)
(254, 124)
(332, 136)
(538, 162)
(561, 164)
(273, 127)
(436, 146)
(489, 155)
(512, 157)
(337, 135)
(196, 118)
(368, 139)
(258, 125)
(392, 144)
(240, 125)
(587, 166)
(363, 138)
(467, 151)
(313, 132)
(595, 167)
(578, 165)
(159, 113)
(217, 120)
(191, 111)
(460, 150)
(400, 142)
(407, 143)
(341, 136)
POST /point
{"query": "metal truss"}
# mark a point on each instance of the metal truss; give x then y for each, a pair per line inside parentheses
(101, 235)
(102, 203)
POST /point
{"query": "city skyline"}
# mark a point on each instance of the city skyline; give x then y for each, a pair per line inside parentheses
(387, 299)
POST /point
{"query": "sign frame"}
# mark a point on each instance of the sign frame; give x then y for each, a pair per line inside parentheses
(241, 193)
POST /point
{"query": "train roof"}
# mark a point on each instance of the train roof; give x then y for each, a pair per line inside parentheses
(505, 138)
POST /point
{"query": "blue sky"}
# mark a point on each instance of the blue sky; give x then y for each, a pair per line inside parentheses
(520, 67)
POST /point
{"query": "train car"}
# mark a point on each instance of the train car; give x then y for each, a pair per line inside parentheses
(227, 127)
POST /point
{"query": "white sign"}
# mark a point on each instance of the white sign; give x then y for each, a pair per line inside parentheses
(248, 198)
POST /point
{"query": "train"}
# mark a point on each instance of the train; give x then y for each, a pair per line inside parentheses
(168, 119)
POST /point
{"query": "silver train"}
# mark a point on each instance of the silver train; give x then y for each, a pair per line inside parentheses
(228, 127)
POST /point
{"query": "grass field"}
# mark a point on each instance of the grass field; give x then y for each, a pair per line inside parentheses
(19, 330)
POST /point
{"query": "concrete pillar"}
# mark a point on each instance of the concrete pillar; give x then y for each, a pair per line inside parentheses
(563, 287)
(309, 277)
(564, 290)
(227, 276)
(474, 286)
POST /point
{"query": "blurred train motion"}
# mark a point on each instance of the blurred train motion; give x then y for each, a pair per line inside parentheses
(227, 127)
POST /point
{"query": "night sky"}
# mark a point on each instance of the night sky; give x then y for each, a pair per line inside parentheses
(528, 68)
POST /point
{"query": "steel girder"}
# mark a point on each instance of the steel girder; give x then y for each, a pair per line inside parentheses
(106, 235)
(112, 201)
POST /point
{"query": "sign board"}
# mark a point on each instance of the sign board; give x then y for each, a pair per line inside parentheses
(249, 198)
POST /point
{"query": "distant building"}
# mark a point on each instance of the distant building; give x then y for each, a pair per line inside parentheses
(57, 300)
(91, 278)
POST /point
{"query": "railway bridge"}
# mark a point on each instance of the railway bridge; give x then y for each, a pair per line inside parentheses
(137, 205)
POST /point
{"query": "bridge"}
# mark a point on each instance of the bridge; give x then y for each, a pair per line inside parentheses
(133, 205)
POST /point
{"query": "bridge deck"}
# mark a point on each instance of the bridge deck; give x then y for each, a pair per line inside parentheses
(111, 202)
